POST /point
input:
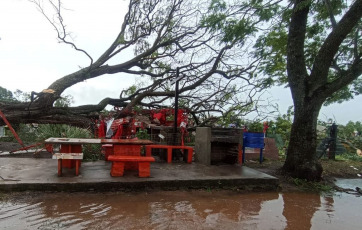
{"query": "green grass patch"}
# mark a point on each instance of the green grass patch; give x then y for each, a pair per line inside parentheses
(349, 157)
(92, 152)
(312, 186)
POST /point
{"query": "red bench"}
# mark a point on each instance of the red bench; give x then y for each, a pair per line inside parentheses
(118, 163)
(107, 150)
(187, 158)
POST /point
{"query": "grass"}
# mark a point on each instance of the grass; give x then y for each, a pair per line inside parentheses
(350, 157)
(31, 134)
(342, 168)
(312, 186)
(345, 166)
(92, 152)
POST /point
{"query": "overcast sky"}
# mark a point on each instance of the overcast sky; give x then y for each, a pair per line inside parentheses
(31, 58)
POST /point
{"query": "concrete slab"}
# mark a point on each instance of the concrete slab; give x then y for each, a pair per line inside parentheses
(20, 174)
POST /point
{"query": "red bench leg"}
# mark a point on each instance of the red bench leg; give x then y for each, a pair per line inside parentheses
(144, 169)
(240, 155)
(169, 155)
(189, 156)
(60, 167)
(117, 168)
(77, 164)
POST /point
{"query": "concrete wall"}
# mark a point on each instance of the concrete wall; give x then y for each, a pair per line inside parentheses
(203, 145)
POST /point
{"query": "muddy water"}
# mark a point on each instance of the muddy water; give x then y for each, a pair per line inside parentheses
(180, 210)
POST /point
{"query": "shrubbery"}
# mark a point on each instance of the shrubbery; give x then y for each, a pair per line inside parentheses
(31, 134)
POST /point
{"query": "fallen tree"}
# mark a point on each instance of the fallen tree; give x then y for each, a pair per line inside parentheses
(165, 36)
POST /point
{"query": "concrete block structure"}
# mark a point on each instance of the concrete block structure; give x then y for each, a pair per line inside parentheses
(203, 145)
(217, 145)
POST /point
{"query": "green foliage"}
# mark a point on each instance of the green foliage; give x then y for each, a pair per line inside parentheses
(64, 101)
(271, 46)
(131, 90)
(170, 117)
(256, 127)
(17, 96)
(27, 133)
(230, 118)
(38, 133)
(229, 21)
(33, 133)
(121, 39)
(22, 96)
(92, 152)
(346, 133)
(6, 95)
(45, 131)
(349, 157)
(340, 96)
(143, 134)
(312, 186)
(280, 129)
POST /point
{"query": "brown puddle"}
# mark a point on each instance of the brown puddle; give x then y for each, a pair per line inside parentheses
(180, 210)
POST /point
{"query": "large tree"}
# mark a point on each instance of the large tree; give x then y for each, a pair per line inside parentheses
(164, 35)
(335, 65)
(315, 47)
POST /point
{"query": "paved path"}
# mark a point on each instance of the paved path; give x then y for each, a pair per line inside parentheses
(18, 174)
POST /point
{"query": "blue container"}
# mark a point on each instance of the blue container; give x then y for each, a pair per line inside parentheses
(253, 140)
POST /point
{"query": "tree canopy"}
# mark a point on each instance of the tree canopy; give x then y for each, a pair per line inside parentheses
(324, 18)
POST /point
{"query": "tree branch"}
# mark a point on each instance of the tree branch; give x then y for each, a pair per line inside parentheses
(61, 32)
(326, 53)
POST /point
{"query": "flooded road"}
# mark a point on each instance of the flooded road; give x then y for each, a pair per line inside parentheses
(180, 210)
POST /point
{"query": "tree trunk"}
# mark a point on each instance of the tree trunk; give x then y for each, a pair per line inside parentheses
(301, 161)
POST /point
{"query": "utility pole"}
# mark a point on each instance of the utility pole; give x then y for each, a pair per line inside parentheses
(176, 99)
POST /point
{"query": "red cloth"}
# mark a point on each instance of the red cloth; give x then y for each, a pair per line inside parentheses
(160, 116)
(265, 127)
(101, 130)
(181, 116)
(119, 132)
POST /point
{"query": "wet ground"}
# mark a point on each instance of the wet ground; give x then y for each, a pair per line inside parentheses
(182, 209)
(189, 209)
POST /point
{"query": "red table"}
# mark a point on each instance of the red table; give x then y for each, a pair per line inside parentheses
(127, 147)
(70, 153)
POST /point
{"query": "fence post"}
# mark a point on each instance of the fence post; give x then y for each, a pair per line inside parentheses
(333, 142)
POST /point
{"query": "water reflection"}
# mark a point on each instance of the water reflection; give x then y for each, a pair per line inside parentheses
(299, 209)
(179, 210)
